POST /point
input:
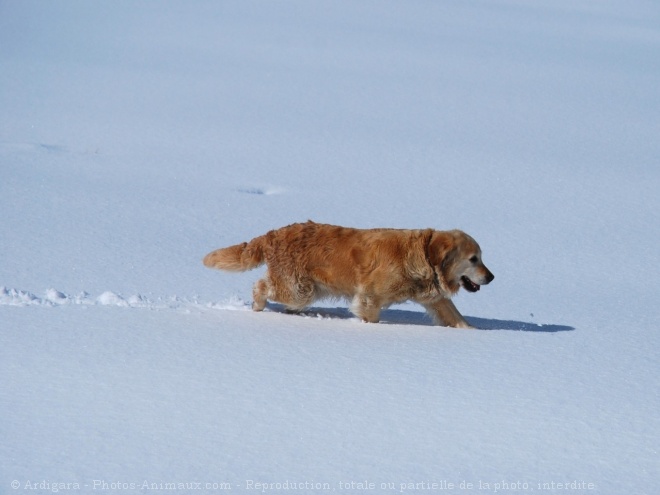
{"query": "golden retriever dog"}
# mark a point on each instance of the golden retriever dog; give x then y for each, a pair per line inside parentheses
(373, 268)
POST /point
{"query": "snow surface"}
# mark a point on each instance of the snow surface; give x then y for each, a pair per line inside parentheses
(135, 137)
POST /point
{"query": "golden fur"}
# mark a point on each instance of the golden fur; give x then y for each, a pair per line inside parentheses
(372, 267)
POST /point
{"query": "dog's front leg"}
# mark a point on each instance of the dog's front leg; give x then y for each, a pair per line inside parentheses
(444, 313)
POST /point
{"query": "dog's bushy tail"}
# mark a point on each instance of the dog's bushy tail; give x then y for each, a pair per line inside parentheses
(238, 258)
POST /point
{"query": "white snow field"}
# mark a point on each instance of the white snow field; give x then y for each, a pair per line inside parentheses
(135, 137)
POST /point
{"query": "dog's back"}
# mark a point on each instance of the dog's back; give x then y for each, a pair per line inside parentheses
(337, 260)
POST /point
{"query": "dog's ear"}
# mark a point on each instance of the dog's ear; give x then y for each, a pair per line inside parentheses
(440, 248)
(442, 252)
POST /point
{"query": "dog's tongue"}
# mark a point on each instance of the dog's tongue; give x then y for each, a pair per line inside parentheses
(469, 285)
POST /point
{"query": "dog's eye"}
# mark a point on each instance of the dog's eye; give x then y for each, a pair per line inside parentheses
(474, 259)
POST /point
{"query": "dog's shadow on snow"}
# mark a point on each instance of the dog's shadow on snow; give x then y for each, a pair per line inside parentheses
(404, 317)
(521, 326)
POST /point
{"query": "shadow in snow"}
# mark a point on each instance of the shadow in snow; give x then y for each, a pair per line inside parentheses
(405, 317)
(522, 326)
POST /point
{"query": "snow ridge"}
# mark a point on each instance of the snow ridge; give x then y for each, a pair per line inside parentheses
(54, 297)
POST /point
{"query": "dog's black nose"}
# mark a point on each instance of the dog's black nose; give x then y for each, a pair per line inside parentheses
(489, 277)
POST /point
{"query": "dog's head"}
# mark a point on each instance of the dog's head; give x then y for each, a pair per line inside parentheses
(456, 260)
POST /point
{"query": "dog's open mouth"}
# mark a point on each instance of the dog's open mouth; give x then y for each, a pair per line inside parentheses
(469, 285)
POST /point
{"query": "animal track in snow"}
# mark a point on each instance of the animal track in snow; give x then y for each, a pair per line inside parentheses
(261, 191)
(31, 147)
(54, 297)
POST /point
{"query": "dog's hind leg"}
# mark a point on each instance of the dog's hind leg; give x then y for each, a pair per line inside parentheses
(366, 307)
(295, 294)
(260, 294)
(301, 295)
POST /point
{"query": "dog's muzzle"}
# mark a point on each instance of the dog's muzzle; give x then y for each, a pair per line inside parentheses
(472, 286)
(469, 285)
